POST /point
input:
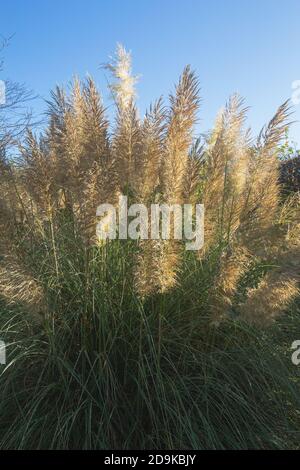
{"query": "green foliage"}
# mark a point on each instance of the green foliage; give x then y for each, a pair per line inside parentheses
(107, 370)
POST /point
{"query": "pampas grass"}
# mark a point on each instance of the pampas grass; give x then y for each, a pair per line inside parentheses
(139, 343)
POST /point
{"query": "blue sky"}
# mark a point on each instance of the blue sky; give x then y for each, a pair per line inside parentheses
(246, 46)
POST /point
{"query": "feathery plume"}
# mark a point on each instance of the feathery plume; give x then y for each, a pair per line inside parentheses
(233, 265)
(126, 136)
(226, 173)
(148, 191)
(263, 190)
(272, 296)
(179, 136)
(123, 89)
(17, 286)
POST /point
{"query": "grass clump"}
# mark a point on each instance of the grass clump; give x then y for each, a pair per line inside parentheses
(139, 344)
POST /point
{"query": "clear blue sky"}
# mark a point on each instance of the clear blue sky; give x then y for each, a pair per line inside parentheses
(248, 46)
